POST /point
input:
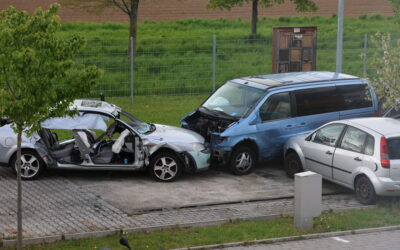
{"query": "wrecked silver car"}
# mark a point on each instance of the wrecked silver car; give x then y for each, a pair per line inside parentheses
(104, 137)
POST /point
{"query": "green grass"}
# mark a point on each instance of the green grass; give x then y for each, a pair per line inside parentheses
(387, 213)
(175, 57)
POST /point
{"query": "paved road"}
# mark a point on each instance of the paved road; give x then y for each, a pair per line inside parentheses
(388, 240)
(135, 191)
(54, 206)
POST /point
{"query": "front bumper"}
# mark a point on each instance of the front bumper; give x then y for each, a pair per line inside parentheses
(197, 161)
(387, 187)
(221, 155)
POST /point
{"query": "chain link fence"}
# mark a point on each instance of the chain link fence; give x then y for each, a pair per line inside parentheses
(194, 65)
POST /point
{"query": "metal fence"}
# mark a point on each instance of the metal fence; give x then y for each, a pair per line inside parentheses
(193, 65)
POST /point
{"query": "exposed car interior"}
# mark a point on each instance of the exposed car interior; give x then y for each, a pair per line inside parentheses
(115, 145)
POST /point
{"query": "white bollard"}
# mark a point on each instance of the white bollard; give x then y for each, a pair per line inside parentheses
(307, 199)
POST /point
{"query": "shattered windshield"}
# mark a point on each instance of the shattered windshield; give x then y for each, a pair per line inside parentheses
(233, 99)
(138, 125)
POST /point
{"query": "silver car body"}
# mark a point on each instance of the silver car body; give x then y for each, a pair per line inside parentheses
(338, 164)
(188, 145)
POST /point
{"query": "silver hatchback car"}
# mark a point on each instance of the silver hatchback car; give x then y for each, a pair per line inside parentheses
(362, 154)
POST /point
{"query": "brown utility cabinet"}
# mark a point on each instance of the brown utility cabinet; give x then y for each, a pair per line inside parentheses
(294, 49)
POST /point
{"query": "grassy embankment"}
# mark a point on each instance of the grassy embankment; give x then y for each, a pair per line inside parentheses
(174, 57)
(388, 213)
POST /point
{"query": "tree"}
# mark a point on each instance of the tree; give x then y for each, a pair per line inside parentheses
(396, 8)
(38, 75)
(301, 5)
(129, 7)
(386, 63)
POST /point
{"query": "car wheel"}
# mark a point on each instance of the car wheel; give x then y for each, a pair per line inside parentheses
(165, 167)
(32, 164)
(242, 161)
(365, 192)
(293, 164)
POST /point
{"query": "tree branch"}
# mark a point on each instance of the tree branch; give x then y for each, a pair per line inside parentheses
(12, 92)
(126, 6)
(126, 11)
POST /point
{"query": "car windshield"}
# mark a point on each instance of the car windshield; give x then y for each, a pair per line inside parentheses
(138, 125)
(233, 99)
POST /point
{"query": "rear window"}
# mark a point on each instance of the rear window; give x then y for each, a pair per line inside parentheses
(394, 148)
(353, 96)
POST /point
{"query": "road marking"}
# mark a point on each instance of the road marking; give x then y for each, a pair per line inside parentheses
(340, 239)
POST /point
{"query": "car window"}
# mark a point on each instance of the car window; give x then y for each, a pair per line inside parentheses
(276, 107)
(353, 96)
(316, 101)
(394, 148)
(369, 146)
(328, 135)
(353, 140)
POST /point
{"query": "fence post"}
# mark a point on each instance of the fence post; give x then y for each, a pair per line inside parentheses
(365, 55)
(214, 61)
(132, 68)
(339, 46)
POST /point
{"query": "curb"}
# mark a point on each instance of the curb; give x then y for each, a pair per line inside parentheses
(98, 234)
(293, 238)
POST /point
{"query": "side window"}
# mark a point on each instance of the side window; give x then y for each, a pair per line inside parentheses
(353, 140)
(328, 135)
(276, 107)
(353, 96)
(369, 146)
(316, 101)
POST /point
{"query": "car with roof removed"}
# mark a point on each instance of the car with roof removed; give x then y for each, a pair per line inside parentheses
(249, 119)
(102, 136)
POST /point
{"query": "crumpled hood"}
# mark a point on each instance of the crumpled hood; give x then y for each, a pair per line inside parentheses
(174, 134)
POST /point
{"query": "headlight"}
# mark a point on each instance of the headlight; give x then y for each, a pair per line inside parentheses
(198, 146)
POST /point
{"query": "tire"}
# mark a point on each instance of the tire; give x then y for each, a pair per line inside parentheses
(32, 164)
(364, 190)
(292, 164)
(165, 167)
(242, 161)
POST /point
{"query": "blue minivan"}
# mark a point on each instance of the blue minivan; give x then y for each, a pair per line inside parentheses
(249, 119)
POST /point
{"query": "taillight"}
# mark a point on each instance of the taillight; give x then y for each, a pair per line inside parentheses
(376, 113)
(385, 161)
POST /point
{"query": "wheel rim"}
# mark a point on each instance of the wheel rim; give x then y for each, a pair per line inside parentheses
(165, 168)
(364, 191)
(243, 162)
(29, 165)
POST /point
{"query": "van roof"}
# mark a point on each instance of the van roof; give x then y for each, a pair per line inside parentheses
(273, 80)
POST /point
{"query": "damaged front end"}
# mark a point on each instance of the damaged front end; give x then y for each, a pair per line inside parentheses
(206, 124)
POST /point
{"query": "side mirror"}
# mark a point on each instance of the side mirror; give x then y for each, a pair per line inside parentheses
(254, 119)
(123, 241)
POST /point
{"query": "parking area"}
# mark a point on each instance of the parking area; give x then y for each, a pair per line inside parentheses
(137, 191)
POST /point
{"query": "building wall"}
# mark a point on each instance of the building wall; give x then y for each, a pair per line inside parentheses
(158, 10)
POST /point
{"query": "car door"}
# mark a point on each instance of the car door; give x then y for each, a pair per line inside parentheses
(349, 154)
(276, 123)
(315, 107)
(319, 149)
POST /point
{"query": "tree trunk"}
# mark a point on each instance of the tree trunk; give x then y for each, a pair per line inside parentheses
(133, 20)
(19, 190)
(254, 18)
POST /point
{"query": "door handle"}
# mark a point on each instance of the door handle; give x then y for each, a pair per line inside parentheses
(328, 152)
(357, 159)
(289, 126)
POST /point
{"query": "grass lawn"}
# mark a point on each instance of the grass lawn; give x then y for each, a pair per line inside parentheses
(160, 109)
(387, 213)
(175, 57)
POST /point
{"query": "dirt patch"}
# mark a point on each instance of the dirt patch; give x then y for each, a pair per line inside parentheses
(159, 10)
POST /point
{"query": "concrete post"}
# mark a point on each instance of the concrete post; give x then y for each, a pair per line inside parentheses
(132, 68)
(307, 199)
